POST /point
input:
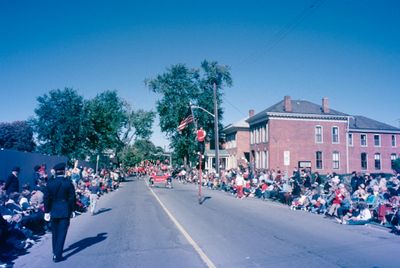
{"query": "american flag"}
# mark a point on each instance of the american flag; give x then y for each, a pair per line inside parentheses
(186, 121)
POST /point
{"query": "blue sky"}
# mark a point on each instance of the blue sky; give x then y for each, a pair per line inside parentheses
(348, 51)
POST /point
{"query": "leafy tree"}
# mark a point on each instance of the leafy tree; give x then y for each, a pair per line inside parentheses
(107, 116)
(138, 125)
(179, 86)
(210, 73)
(141, 150)
(17, 135)
(60, 123)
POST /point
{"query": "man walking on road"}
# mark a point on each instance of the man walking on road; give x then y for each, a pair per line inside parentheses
(59, 201)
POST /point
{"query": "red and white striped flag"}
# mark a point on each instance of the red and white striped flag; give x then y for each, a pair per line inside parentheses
(186, 121)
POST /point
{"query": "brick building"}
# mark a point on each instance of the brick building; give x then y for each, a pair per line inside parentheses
(298, 133)
(237, 137)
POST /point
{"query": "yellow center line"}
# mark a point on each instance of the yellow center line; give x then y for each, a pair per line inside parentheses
(196, 247)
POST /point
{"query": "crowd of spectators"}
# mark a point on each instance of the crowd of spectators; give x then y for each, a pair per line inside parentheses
(21, 206)
(353, 199)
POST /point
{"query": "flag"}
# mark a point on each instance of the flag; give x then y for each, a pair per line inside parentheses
(186, 121)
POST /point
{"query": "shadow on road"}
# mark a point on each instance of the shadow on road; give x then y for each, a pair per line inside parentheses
(102, 210)
(201, 201)
(84, 243)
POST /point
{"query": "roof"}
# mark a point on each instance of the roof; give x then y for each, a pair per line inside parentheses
(359, 122)
(298, 107)
(241, 124)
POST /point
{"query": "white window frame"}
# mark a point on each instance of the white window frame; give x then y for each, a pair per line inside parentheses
(338, 136)
(366, 140)
(380, 161)
(321, 134)
(350, 139)
(393, 138)
(322, 160)
(380, 140)
(266, 132)
(334, 161)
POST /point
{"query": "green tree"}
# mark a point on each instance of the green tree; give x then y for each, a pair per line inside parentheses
(210, 73)
(17, 135)
(107, 117)
(60, 123)
(178, 87)
(138, 125)
(139, 151)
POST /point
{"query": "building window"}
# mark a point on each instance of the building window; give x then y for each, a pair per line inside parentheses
(377, 140)
(377, 158)
(350, 137)
(266, 132)
(318, 160)
(364, 162)
(363, 140)
(263, 159)
(263, 134)
(335, 135)
(393, 157)
(318, 134)
(335, 160)
(251, 136)
(393, 140)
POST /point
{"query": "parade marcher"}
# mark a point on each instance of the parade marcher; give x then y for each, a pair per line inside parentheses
(59, 200)
(94, 196)
(201, 136)
(12, 182)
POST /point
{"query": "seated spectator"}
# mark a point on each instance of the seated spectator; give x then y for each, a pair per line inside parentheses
(362, 218)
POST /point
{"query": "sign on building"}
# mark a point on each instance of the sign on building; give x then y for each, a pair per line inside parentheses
(286, 158)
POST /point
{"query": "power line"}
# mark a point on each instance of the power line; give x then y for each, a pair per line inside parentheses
(286, 29)
(234, 106)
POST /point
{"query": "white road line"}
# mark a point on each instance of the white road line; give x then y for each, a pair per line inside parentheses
(196, 247)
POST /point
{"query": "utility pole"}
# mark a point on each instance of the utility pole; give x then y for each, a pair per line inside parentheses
(216, 131)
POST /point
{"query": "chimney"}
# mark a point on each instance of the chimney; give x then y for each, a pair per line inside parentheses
(251, 112)
(325, 105)
(287, 105)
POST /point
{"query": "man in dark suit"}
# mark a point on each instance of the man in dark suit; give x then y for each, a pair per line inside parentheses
(59, 201)
(12, 182)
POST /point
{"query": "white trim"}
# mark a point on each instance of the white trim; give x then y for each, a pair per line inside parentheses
(322, 134)
(380, 140)
(352, 140)
(380, 161)
(322, 160)
(316, 116)
(374, 131)
(307, 119)
(366, 140)
(338, 135)
(338, 153)
(395, 141)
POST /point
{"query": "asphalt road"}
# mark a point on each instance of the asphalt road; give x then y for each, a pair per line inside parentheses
(133, 230)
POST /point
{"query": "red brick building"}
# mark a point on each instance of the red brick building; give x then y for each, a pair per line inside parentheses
(298, 133)
(237, 137)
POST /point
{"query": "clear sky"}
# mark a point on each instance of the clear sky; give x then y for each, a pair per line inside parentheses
(348, 51)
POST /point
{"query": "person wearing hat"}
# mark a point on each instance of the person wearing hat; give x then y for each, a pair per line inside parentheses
(59, 201)
(12, 182)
